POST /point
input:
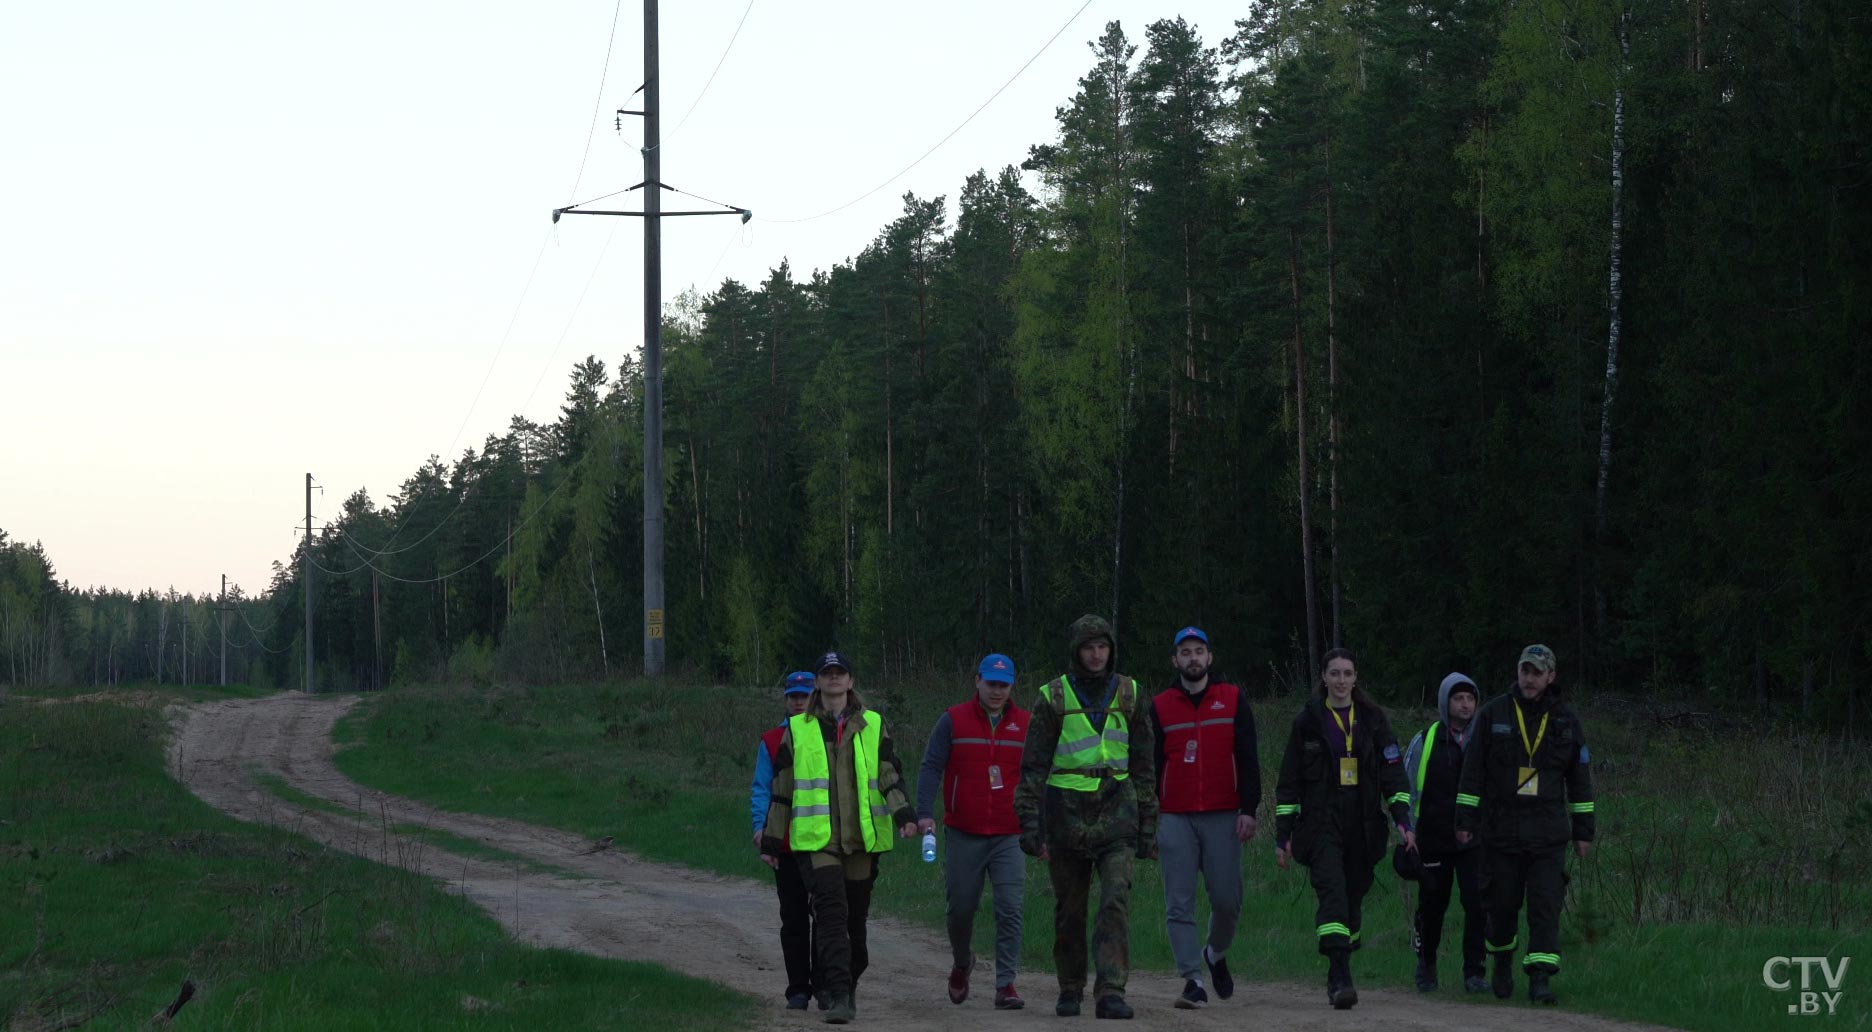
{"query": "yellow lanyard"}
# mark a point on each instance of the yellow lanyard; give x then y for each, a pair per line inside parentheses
(1353, 710)
(1542, 733)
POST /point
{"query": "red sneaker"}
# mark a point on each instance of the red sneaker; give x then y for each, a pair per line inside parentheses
(1008, 998)
(958, 981)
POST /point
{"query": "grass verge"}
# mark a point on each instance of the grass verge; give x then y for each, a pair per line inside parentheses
(119, 885)
(1699, 879)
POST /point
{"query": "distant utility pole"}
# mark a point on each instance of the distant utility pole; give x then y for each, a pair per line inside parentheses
(305, 574)
(653, 215)
(221, 614)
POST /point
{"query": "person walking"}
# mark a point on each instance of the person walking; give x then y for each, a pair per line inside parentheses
(1087, 803)
(1208, 789)
(1434, 763)
(1526, 791)
(838, 790)
(795, 903)
(971, 763)
(1340, 772)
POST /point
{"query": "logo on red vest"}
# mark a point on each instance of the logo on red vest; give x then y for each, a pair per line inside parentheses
(1013, 726)
(1216, 704)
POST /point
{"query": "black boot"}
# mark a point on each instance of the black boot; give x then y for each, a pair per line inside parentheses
(1339, 990)
(1538, 991)
(1503, 982)
(1426, 975)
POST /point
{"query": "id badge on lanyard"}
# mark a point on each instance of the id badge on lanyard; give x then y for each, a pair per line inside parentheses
(994, 775)
(1189, 751)
(1527, 782)
(1348, 771)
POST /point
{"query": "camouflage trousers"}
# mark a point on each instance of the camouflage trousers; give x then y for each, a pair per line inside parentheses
(1072, 873)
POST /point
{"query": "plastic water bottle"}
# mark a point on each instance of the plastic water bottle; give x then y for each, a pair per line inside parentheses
(929, 848)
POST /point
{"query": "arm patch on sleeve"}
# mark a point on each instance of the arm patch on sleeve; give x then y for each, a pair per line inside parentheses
(1391, 753)
(1585, 754)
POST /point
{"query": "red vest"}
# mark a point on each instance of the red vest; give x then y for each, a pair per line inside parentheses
(971, 803)
(771, 742)
(1199, 749)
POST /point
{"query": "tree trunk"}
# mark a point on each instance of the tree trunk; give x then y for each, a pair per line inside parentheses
(591, 573)
(1332, 405)
(1615, 301)
(1306, 507)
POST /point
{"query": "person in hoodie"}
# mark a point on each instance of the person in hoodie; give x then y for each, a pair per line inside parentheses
(1087, 802)
(795, 901)
(1434, 764)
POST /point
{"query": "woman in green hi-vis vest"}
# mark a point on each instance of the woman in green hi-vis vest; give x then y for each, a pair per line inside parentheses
(838, 789)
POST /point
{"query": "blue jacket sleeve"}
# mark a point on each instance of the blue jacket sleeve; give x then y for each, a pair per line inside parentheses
(935, 758)
(763, 785)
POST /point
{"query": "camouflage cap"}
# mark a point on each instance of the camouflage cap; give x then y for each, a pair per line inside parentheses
(1540, 657)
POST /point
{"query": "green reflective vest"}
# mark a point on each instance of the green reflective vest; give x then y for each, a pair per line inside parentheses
(1083, 754)
(811, 827)
(1423, 768)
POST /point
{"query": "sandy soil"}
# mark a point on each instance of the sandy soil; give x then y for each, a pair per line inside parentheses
(712, 927)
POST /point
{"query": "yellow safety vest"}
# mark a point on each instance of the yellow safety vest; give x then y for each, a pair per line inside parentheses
(1082, 748)
(811, 826)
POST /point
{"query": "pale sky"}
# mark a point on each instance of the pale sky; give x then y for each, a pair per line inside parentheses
(240, 241)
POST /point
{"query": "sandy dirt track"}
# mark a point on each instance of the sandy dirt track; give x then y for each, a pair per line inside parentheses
(612, 904)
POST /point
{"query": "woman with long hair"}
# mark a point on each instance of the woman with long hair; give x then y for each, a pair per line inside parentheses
(1340, 774)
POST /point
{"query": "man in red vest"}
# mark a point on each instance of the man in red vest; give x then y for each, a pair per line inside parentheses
(795, 901)
(1209, 787)
(973, 761)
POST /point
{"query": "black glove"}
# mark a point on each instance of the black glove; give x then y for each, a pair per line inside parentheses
(1030, 843)
(1147, 847)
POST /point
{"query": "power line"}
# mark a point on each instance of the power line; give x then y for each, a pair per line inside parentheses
(346, 538)
(711, 79)
(938, 144)
(598, 101)
(506, 335)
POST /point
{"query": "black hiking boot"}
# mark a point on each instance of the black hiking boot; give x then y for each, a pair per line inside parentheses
(1503, 982)
(1538, 991)
(1068, 1006)
(1339, 989)
(1112, 1007)
(1426, 975)
(841, 1011)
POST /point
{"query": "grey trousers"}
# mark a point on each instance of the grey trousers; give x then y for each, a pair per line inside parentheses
(968, 861)
(1188, 844)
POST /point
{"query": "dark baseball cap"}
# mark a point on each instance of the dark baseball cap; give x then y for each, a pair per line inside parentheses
(799, 682)
(998, 668)
(833, 659)
(1540, 657)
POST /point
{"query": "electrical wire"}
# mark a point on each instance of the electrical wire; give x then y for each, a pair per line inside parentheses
(598, 101)
(346, 538)
(711, 79)
(938, 144)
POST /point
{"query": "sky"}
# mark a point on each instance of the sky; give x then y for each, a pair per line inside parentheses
(243, 242)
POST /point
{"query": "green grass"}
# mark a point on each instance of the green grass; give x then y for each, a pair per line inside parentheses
(1655, 929)
(118, 885)
(143, 691)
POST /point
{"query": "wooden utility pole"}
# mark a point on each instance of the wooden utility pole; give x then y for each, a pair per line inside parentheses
(221, 614)
(305, 575)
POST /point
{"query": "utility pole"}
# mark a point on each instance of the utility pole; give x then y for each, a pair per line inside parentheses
(653, 349)
(221, 613)
(305, 574)
(653, 216)
(185, 679)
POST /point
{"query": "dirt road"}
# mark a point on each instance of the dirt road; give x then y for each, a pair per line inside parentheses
(612, 904)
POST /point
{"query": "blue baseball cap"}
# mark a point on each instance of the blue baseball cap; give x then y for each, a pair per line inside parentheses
(799, 682)
(833, 659)
(998, 668)
(1187, 633)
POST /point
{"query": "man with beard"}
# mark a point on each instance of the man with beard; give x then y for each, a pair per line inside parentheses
(1208, 789)
(1087, 802)
(1526, 790)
